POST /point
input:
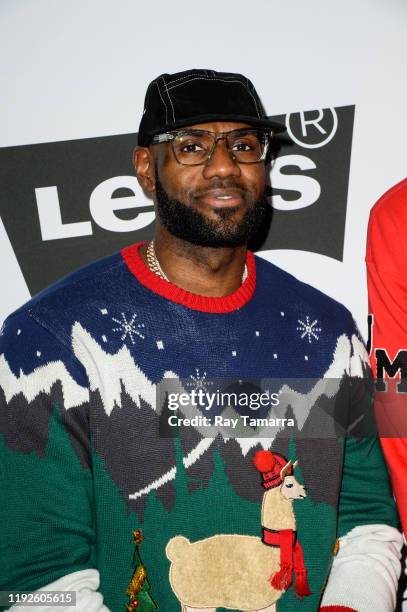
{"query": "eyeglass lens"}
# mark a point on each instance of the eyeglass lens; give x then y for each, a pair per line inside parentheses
(194, 147)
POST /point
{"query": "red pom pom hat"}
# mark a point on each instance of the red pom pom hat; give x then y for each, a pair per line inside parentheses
(270, 465)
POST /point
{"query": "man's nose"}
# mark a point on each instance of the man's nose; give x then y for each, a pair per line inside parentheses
(221, 163)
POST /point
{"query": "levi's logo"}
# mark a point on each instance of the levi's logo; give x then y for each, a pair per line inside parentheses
(64, 204)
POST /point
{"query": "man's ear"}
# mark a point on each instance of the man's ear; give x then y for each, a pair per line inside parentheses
(144, 168)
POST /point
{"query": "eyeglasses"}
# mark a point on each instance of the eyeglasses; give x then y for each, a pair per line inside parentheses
(196, 147)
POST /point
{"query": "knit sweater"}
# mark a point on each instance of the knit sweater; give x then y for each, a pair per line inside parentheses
(98, 489)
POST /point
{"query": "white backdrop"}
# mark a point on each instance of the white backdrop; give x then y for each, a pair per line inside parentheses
(80, 69)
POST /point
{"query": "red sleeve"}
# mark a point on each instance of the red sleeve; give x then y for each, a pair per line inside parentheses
(386, 260)
(336, 609)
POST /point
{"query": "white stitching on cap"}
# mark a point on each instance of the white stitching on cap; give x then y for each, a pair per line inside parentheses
(184, 77)
(162, 99)
(205, 78)
(255, 102)
(208, 79)
(165, 85)
(197, 74)
(169, 97)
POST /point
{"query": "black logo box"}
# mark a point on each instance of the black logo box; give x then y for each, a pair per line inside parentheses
(76, 167)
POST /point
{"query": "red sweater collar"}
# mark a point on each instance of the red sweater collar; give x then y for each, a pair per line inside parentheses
(227, 303)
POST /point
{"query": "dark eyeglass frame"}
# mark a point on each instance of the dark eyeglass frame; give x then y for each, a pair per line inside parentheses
(171, 136)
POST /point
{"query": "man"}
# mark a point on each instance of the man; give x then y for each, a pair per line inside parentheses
(386, 263)
(386, 277)
(87, 456)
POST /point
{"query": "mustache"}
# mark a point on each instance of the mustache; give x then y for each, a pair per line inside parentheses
(220, 186)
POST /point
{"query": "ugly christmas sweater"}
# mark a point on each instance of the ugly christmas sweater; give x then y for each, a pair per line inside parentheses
(101, 496)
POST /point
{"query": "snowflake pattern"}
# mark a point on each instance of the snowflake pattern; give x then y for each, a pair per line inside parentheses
(199, 381)
(128, 328)
(309, 329)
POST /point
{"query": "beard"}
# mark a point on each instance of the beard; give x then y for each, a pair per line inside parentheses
(187, 223)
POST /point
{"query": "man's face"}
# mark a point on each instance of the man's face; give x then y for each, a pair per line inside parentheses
(217, 204)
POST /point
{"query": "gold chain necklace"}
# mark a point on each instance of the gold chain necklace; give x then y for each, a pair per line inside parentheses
(155, 267)
(153, 262)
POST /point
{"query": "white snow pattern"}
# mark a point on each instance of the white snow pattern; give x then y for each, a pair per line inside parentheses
(309, 329)
(41, 380)
(199, 381)
(128, 328)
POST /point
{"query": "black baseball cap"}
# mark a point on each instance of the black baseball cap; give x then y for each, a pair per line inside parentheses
(196, 96)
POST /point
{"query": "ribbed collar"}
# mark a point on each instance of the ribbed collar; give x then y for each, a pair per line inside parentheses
(227, 303)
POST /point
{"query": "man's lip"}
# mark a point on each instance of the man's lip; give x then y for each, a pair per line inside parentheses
(222, 197)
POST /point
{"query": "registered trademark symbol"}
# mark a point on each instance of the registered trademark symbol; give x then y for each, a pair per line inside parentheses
(309, 131)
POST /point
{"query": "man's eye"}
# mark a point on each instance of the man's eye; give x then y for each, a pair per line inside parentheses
(242, 146)
(289, 485)
(191, 148)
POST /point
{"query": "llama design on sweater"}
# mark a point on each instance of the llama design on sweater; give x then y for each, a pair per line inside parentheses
(208, 574)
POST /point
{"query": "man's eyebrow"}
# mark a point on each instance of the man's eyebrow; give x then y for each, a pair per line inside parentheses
(199, 130)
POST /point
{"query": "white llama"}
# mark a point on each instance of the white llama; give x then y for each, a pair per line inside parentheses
(235, 571)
